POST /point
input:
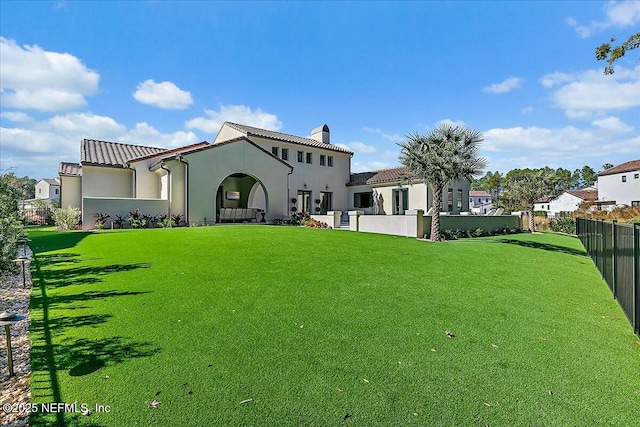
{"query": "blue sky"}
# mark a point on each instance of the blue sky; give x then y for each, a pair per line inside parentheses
(167, 74)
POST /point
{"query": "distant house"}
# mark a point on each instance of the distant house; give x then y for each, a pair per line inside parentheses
(620, 184)
(48, 189)
(244, 170)
(568, 201)
(480, 202)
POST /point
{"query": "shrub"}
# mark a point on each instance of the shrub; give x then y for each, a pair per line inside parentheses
(564, 224)
(176, 219)
(66, 218)
(136, 219)
(118, 221)
(314, 223)
(101, 219)
(163, 221)
(11, 230)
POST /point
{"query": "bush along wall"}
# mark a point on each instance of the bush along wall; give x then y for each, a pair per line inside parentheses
(564, 224)
(478, 232)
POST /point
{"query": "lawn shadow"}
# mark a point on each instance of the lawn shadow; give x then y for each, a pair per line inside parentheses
(78, 356)
(72, 275)
(47, 241)
(544, 246)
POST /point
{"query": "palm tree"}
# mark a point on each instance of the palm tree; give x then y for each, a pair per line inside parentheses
(447, 153)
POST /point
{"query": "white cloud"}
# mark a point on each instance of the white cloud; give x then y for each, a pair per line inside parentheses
(144, 134)
(237, 114)
(164, 95)
(33, 78)
(393, 137)
(526, 110)
(360, 147)
(37, 147)
(16, 116)
(567, 147)
(505, 86)
(613, 124)
(452, 122)
(582, 94)
(617, 15)
(87, 124)
(370, 166)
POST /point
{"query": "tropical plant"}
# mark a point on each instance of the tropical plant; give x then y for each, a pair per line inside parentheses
(447, 153)
(101, 219)
(66, 218)
(176, 219)
(119, 220)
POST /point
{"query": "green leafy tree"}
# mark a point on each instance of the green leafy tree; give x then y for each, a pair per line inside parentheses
(526, 186)
(609, 53)
(447, 153)
(607, 166)
(589, 176)
(11, 229)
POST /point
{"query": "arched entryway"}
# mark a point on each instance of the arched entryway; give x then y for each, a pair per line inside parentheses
(241, 191)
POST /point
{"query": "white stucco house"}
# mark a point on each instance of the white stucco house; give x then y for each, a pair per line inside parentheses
(568, 201)
(48, 189)
(244, 171)
(620, 184)
(480, 202)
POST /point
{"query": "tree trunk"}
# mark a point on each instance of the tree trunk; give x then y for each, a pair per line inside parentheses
(435, 215)
(532, 223)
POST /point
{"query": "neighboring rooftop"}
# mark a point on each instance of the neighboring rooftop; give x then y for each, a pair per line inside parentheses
(251, 131)
(51, 181)
(630, 166)
(478, 193)
(70, 169)
(584, 194)
(107, 153)
(383, 175)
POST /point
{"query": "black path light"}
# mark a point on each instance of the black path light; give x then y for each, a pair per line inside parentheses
(23, 260)
(7, 319)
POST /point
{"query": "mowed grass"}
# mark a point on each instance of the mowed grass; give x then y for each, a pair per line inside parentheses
(323, 327)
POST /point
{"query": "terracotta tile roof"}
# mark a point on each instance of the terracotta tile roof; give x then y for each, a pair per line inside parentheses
(168, 153)
(206, 146)
(630, 166)
(478, 193)
(584, 194)
(108, 153)
(380, 176)
(69, 169)
(251, 131)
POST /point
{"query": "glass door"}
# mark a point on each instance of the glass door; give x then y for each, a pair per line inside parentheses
(304, 201)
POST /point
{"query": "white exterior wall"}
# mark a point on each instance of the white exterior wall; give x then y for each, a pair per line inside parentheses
(147, 182)
(44, 190)
(419, 196)
(71, 191)
(611, 188)
(237, 157)
(316, 177)
(564, 203)
(100, 181)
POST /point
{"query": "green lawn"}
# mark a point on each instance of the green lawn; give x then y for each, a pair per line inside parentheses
(323, 327)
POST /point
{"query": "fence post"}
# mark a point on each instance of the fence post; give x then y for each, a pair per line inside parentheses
(614, 250)
(636, 275)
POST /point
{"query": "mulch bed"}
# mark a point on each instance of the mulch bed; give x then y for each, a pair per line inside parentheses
(15, 390)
